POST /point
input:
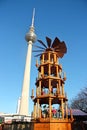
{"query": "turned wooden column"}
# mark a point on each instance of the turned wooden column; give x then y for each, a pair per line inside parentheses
(59, 90)
(57, 74)
(49, 84)
(36, 92)
(71, 113)
(62, 89)
(50, 108)
(42, 70)
(49, 69)
(62, 108)
(38, 105)
(66, 109)
(60, 72)
(40, 87)
(55, 58)
(49, 56)
(39, 74)
(42, 58)
(40, 111)
(34, 113)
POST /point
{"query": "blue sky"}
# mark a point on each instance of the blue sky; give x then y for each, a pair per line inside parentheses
(66, 20)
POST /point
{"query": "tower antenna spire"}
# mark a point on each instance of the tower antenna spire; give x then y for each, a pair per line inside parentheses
(33, 18)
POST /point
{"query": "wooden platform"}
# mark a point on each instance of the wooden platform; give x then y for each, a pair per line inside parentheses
(51, 124)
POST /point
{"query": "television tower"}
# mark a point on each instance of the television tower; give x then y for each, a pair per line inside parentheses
(30, 38)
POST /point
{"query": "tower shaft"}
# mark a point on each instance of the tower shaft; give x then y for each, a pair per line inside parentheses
(30, 38)
(26, 83)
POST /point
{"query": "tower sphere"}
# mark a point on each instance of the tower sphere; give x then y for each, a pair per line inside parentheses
(31, 36)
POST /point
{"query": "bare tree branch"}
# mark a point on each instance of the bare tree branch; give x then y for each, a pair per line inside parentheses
(80, 102)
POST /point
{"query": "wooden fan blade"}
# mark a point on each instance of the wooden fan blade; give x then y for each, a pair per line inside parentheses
(62, 50)
(56, 42)
(37, 50)
(59, 46)
(39, 47)
(48, 41)
(60, 55)
(38, 55)
(42, 43)
(58, 50)
(64, 46)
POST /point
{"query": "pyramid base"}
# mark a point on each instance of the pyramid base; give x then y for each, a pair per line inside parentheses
(51, 124)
